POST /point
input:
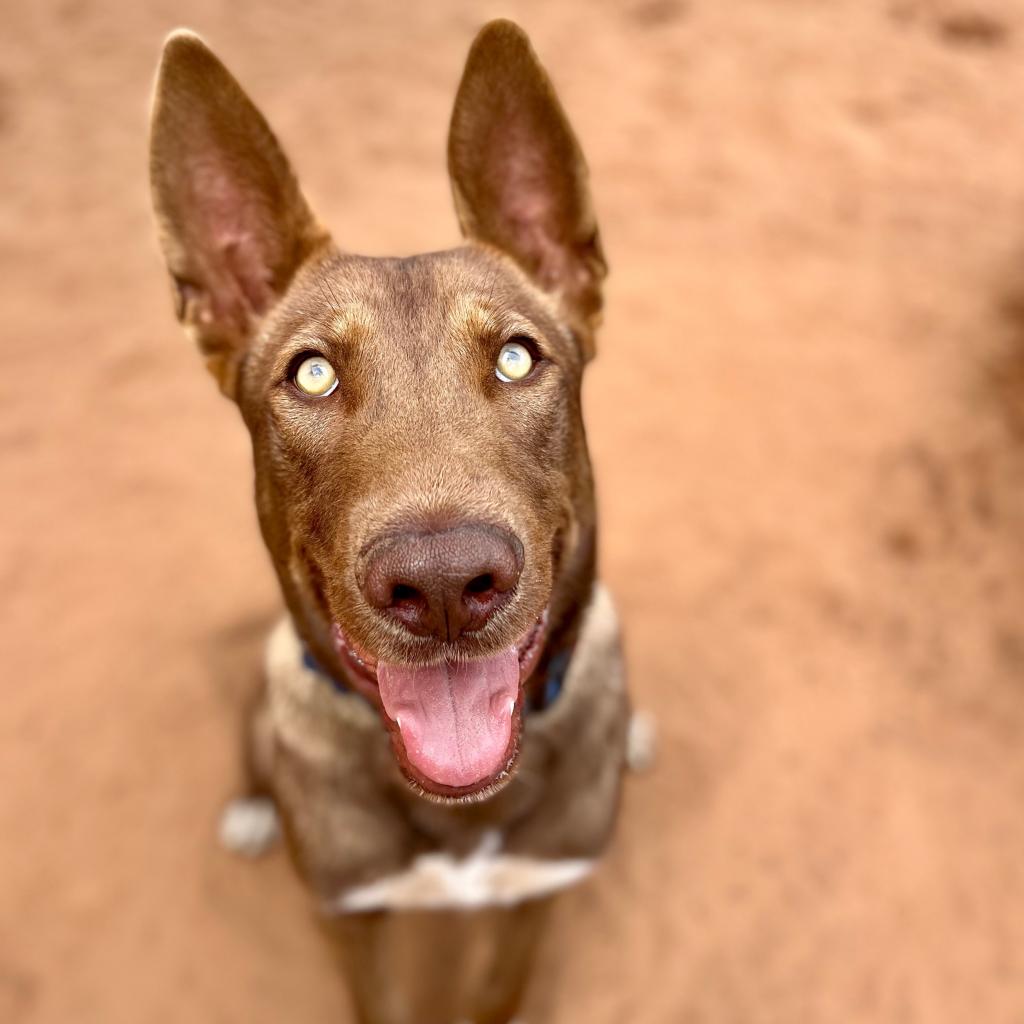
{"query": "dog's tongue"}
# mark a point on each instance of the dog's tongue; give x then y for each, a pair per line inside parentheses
(455, 719)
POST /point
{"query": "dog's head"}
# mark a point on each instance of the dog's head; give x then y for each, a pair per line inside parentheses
(422, 476)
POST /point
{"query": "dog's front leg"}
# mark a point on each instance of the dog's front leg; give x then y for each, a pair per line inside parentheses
(439, 967)
(362, 948)
(403, 967)
(505, 942)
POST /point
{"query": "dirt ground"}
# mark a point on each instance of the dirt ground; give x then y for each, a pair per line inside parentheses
(808, 427)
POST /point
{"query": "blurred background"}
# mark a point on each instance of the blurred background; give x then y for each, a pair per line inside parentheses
(807, 419)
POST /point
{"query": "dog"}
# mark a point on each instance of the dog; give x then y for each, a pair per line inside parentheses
(443, 733)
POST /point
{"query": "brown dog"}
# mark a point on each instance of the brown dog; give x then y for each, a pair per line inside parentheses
(445, 721)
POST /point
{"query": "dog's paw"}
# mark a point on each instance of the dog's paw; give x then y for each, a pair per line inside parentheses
(249, 826)
(641, 742)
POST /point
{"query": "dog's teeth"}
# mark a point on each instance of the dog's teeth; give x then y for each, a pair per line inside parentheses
(511, 708)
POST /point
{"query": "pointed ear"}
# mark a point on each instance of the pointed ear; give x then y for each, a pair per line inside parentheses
(518, 175)
(233, 224)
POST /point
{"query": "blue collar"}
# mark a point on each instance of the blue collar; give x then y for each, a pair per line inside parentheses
(551, 689)
(544, 696)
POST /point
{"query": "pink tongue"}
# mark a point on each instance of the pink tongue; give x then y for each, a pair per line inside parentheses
(455, 719)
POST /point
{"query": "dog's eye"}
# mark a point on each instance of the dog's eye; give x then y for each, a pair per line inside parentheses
(514, 362)
(315, 376)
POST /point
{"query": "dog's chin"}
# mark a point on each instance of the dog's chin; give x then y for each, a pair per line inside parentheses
(454, 725)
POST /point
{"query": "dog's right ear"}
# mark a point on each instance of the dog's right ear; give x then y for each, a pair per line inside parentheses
(234, 226)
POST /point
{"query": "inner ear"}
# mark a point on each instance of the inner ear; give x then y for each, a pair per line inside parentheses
(518, 175)
(234, 226)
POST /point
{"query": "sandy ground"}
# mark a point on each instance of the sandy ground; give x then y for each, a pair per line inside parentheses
(807, 422)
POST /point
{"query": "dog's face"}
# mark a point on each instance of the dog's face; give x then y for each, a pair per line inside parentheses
(422, 476)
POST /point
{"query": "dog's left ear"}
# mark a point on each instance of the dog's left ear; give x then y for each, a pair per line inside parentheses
(234, 226)
(518, 175)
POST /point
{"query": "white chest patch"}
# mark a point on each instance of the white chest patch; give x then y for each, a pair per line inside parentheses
(436, 881)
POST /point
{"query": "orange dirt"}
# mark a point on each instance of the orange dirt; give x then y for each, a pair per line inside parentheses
(807, 420)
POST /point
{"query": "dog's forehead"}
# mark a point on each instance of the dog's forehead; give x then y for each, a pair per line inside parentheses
(444, 297)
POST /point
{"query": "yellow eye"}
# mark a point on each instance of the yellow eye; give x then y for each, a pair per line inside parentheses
(514, 362)
(315, 376)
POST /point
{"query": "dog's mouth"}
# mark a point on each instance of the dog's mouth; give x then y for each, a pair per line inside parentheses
(454, 725)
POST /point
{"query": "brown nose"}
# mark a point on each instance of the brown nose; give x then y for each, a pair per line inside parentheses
(443, 583)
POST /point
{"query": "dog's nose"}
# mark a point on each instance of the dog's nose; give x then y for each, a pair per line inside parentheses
(443, 583)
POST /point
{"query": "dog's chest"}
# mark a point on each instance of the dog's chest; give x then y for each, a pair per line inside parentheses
(441, 881)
